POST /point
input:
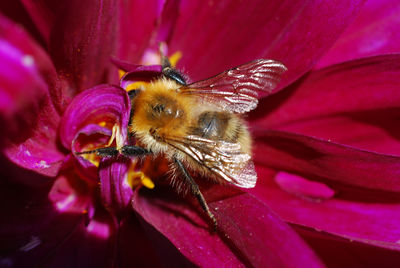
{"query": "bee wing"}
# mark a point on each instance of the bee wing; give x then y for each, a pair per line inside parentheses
(236, 90)
(224, 159)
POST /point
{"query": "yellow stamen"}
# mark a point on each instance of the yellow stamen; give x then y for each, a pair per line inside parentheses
(147, 182)
(137, 178)
(174, 58)
(136, 85)
(92, 158)
(121, 73)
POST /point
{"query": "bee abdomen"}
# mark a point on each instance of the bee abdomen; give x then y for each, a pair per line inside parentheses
(217, 126)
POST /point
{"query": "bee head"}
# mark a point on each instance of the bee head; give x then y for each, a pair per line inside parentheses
(163, 108)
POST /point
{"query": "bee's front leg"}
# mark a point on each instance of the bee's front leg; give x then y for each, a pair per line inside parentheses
(196, 191)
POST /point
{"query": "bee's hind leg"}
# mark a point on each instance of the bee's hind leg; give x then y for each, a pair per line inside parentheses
(196, 191)
(127, 150)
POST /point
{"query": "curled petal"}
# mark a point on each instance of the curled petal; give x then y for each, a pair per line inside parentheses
(296, 33)
(98, 136)
(238, 241)
(116, 193)
(322, 159)
(130, 67)
(139, 73)
(103, 105)
(89, 137)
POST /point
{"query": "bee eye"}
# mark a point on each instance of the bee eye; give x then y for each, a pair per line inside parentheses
(158, 108)
(173, 74)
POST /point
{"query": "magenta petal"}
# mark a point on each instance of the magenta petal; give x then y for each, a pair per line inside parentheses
(167, 22)
(149, 249)
(355, 86)
(129, 67)
(264, 231)
(140, 73)
(42, 13)
(219, 35)
(298, 186)
(16, 11)
(115, 191)
(27, 89)
(83, 248)
(32, 227)
(322, 159)
(374, 32)
(26, 74)
(35, 60)
(137, 21)
(103, 103)
(263, 241)
(374, 130)
(182, 225)
(373, 222)
(337, 252)
(96, 136)
(82, 41)
(360, 96)
(21, 84)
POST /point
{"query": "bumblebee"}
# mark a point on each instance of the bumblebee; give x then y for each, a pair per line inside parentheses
(198, 127)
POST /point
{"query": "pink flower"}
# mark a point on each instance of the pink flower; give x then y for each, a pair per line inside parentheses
(325, 145)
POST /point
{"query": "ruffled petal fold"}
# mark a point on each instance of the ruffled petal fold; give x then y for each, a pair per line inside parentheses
(105, 105)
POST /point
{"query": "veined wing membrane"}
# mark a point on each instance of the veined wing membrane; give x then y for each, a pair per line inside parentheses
(236, 90)
(224, 159)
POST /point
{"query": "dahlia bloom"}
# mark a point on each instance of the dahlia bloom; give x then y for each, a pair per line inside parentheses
(325, 145)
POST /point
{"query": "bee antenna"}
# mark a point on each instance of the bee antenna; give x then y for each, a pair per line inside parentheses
(165, 63)
(164, 59)
(85, 152)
